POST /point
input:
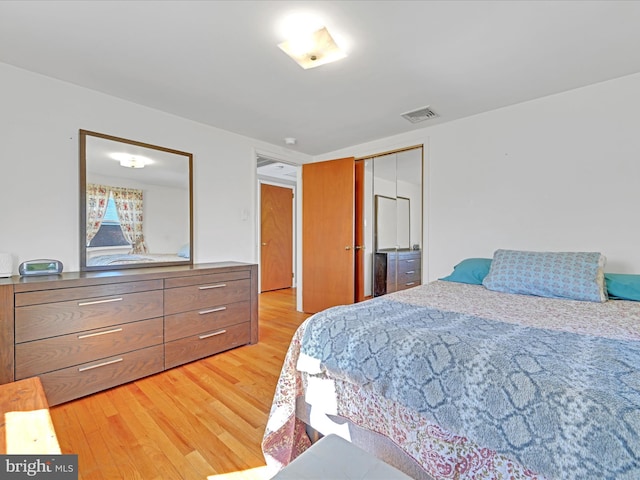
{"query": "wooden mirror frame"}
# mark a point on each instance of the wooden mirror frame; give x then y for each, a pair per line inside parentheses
(83, 134)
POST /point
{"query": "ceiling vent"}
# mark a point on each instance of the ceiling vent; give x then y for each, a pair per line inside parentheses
(420, 115)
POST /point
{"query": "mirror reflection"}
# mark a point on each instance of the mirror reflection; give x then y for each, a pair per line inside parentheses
(135, 204)
(397, 189)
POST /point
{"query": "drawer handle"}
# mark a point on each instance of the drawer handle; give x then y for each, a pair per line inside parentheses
(409, 272)
(95, 302)
(103, 364)
(410, 283)
(219, 309)
(219, 332)
(87, 335)
(207, 287)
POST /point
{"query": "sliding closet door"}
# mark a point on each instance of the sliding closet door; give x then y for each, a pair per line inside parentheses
(397, 190)
(328, 217)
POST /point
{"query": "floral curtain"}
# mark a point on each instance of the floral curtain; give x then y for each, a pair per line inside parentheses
(97, 197)
(129, 207)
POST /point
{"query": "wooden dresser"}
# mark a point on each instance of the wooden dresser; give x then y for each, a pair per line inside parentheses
(396, 270)
(86, 332)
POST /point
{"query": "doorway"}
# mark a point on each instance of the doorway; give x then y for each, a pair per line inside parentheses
(276, 223)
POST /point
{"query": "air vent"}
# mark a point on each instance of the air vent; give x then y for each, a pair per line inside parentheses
(420, 115)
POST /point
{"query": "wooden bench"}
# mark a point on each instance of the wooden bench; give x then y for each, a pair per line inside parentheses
(34, 433)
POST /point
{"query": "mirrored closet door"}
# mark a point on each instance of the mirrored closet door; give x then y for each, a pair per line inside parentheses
(395, 240)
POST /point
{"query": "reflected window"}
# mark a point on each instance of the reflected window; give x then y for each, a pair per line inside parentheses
(110, 232)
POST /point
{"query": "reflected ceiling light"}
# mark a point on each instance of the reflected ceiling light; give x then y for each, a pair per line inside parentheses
(312, 49)
(131, 161)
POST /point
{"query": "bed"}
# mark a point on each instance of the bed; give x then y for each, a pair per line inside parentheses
(126, 259)
(457, 380)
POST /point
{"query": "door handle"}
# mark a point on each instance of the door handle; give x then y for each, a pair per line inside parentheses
(96, 302)
(264, 244)
(348, 247)
(359, 247)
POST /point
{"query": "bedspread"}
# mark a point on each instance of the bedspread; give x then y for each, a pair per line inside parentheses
(125, 259)
(492, 386)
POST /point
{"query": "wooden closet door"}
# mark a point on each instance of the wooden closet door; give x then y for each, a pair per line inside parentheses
(276, 236)
(328, 219)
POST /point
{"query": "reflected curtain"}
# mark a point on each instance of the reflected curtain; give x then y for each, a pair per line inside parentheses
(97, 197)
(129, 205)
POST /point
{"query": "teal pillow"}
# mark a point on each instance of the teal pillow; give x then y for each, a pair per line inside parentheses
(471, 270)
(184, 251)
(623, 286)
(572, 275)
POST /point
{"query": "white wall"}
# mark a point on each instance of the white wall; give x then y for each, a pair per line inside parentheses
(39, 122)
(557, 173)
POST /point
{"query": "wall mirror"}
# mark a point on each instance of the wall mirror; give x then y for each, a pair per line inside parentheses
(397, 188)
(393, 223)
(136, 204)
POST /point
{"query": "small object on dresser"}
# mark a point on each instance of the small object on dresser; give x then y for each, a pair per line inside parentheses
(6, 265)
(40, 267)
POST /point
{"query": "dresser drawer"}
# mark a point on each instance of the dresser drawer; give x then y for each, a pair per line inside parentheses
(199, 346)
(408, 280)
(40, 356)
(206, 295)
(82, 293)
(409, 261)
(409, 271)
(195, 322)
(204, 279)
(63, 385)
(59, 318)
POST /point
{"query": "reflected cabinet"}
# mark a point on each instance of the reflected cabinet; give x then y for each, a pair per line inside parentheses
(396, 270)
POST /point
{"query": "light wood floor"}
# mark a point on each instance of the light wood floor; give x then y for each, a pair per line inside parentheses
(201, 420)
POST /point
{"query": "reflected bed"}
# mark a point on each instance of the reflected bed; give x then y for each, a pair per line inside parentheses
(126, 259)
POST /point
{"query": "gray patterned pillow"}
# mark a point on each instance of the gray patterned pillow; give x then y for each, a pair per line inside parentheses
(572, 275)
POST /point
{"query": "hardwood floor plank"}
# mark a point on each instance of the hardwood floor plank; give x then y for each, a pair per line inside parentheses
(87, 463)
(197, 421)
(100, 446)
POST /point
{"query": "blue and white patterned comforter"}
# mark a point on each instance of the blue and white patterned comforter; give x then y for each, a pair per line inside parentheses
(564, 401)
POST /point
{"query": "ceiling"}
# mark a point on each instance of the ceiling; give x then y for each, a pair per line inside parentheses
(167, 168)
(218, 63)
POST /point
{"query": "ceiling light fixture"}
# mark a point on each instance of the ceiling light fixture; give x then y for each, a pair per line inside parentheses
(313, 49)
(290, 141)
(131, 161)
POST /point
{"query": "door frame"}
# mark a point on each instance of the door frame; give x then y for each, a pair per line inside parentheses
(293, 188)
(296, 215)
